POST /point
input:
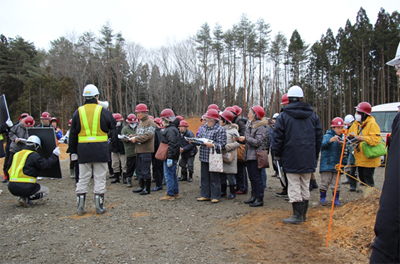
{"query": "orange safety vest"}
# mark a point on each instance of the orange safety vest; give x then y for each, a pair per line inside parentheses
(91, 132)
(16, 170)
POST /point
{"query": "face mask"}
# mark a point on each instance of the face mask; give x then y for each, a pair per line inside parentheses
(358, 117)
(118, 123)
(133, 125)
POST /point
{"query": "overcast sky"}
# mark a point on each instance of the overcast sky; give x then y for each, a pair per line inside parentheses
(154, 23)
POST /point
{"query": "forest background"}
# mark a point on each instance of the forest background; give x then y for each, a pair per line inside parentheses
(242, 65)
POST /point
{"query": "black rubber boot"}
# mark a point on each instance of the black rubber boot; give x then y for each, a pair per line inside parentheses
(141, 186)
(190, 179)
(99, 202)
(305, 208)
(223, 190)
(81, 204)
(128, 181)
(297, 217)
(117, 175)
(258, 202)
(251, 200)
(124, 181)
(184, 176)
(232, 195)
(147, 185)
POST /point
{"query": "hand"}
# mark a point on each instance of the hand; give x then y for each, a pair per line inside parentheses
(133, 140)
(242, 138)
(334, 138)
(56, 151)
(209, 145)
(169, 162)
(181, 150)
(16, 140)
(74, 157)
(360, 138)
(9, 123)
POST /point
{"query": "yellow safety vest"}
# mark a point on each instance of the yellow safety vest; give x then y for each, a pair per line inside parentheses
(16, 170)
(1, 137)
(91, 132)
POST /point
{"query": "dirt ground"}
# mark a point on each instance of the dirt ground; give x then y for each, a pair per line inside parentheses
(143, 229)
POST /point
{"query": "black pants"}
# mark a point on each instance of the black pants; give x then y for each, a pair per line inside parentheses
(366, 175)
(10, 158)
(6, 160)
(241, 179)
(158, 171)
(143, 164)
(353, 182)
(130, 166)
(255, 178)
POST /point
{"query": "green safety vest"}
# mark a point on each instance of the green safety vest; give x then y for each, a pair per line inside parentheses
(1, 137)
(16, 170)
(91, 132)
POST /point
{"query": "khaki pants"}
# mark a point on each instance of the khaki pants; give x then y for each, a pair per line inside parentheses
(298, 189)
(329, 178)
(116, 158)
(86, 170)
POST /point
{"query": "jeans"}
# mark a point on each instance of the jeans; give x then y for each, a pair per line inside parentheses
(171, 178)
(264, 177)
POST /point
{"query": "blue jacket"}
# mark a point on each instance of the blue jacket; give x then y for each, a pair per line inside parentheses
(297, 138)
(330, 152)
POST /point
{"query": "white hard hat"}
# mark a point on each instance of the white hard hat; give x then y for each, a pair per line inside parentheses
(275, 116)
(348, 119)
(295, 91)
(396, 60)
(90, 90)
(32, 140)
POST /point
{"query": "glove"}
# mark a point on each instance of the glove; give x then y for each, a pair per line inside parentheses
(56, 151)
(120, 136)
(169, 162)
(74, 157)
(9, 123)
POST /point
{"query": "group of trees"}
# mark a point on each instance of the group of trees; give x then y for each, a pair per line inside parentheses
(243, 65)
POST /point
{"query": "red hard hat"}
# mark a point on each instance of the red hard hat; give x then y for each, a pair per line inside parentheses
(54, 119)
(213, 106)
(45, 115)
(141, 108)
(151, 117)
(70, 122)
(230, 108)
(284, 99)
(337, 122)
(29, 121)
(158, 121)
(180, 118)
(259, 111)
(227, 115)
(118, 117)
(22, 116)
(238, 110)
(364, 107)
(131, 119)
(167, 113)
(183, 123)
(212, 113)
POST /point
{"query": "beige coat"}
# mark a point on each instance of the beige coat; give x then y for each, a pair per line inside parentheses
(231, 146)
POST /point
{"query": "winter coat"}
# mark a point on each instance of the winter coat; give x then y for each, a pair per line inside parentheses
(145, 136)
(241, 122)
(387, 225)
(3, 130)
(33, 165)
(330, 152)
(129, 146)
(157, 139)
(217, 134)
(297, 138)
(372, 135)
(171, 136)
(231, 146)
(90, 152)
(17, 131)
(255, 135)
(116, 145)
(189, 150)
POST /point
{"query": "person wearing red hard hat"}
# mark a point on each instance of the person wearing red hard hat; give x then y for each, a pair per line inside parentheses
(213, 106)
(255, 139)
(331, 150)
(144, 140)
(129, 147)
(188, 152)
(117, 149)
(366, 130)
(284, 100)
(44, 120)
(297, 143)
(57, 130)
(230, 152)
(157, 165)
(210, 181)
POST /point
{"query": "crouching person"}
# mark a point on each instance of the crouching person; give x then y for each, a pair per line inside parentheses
(25, 168)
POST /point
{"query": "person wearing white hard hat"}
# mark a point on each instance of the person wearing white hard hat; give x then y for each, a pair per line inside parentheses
(385, 248)
(297, 143)
(23, 178)
(88, 143)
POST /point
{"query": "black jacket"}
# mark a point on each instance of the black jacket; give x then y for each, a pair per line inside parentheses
(91, 152)
(297, 138)
(387, 225)
(116, 145)
(189, 150)
(241, 122)
(157, 139)
(33, 165)
(171, 136)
